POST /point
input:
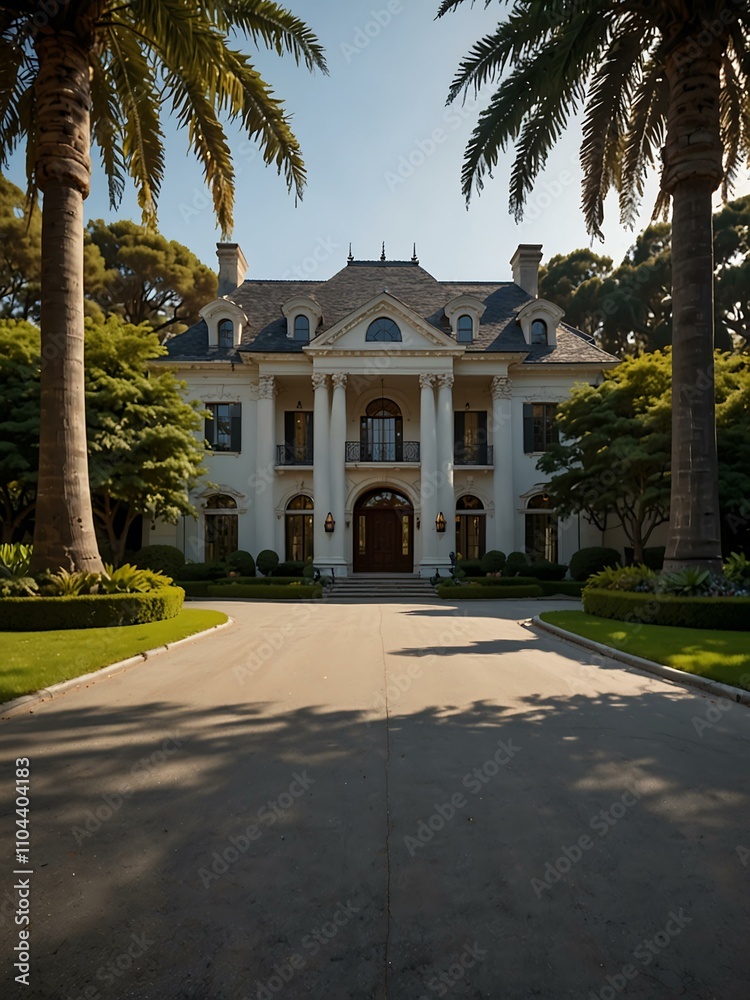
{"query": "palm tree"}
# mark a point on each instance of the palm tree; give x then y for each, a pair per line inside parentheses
(664, 79)
(77, 71)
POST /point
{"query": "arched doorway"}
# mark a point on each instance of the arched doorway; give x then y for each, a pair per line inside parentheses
(383, 532)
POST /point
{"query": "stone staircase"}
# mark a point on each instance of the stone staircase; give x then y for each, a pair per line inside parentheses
(393, 588)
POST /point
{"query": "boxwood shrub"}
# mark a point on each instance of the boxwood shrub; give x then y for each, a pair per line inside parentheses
(45, 614)
(506, 581)
(242, 562)
(259, 581)
(586, 562)
(195, 588)
(203, 571)
(289, 568)
(273, 592)
(167, 559)
(571, 588)
(544, 570)
(470, 567)
(449, 592)
(730, 613)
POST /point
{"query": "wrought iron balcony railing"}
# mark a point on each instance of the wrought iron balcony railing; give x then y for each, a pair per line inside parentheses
(382, 451)
(292, 454)
(472, 454)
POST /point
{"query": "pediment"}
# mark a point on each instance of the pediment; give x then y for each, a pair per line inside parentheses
(350, 333)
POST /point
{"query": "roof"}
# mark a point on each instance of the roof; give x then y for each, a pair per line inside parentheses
(360, 281)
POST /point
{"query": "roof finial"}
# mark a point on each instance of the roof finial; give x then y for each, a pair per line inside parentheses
(382, 252)
(414, 258)
(350, 258)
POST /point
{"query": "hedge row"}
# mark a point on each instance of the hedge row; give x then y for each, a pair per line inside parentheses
(45, 614)
(730, 613)
(571, 588)
(272, 592)
(452, 593)
(505, 581)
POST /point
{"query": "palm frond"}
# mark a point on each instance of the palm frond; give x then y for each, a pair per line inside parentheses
(277, 28)
(645, 137)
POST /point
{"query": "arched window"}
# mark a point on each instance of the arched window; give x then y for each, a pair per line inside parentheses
(539, 332)
(302, 329)
(299, 528)
(381, 432)
(221, 527)
(383, 329)
(470, 527)
(465, 329)
(226, 333)
(541, 528)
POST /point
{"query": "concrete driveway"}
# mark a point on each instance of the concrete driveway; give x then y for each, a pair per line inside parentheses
(383, 801)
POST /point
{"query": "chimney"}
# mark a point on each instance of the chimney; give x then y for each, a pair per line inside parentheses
(232, 267)
(525, 263)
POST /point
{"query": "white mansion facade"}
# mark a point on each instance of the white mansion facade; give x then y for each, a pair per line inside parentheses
(380, 419)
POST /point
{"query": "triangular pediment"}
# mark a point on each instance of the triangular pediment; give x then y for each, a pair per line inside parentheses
(350, 333)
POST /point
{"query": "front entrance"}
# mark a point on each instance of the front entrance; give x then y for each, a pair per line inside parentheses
(383, 533)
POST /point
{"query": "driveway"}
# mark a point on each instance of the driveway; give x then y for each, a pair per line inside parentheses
(383, 801)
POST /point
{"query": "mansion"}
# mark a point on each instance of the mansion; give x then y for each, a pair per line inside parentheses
(379, 420)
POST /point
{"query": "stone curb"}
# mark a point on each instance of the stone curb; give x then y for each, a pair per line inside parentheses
(26, 701)
(667, 673)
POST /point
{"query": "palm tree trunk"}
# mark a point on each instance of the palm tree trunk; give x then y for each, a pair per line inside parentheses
(693, 170)
(64, 533)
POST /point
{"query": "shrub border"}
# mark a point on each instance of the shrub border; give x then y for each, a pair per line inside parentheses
(247, 592)
(46, 614)
(730, 613)
(484, 593)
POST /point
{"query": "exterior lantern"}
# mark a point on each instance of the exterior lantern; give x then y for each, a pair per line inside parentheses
(329, 523)
(440, 522)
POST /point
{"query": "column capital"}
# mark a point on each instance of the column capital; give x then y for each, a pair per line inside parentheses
(427, 380)
(266, 387)
(445, 381)
(339, 380)
(319, 381)
(501, 387)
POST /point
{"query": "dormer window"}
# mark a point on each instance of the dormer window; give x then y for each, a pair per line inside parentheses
(465, 329)
(539, 332)
(383, 329)
(302, 329)
(226, 333)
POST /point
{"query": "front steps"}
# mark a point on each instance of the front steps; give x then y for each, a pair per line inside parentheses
(393, 588)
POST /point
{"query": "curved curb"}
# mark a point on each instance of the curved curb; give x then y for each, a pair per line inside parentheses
(661, 670)
(26, 701)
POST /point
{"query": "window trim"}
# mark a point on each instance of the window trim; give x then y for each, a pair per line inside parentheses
(528, 427)
(459, 338)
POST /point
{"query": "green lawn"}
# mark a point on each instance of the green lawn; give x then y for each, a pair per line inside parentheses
(722, 656)
(34, 660)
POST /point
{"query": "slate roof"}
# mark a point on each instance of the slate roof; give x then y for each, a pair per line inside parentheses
(360, 281)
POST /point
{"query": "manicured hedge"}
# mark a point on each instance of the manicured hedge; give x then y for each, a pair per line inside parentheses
(272, 592)
(203, 571)
(165, 559)
(44, 614)
(258, 581)
(506, 581)
(470, 567)
(593, 559)
(572, 588)
(195, 588)
(731, 613)
(451, 593)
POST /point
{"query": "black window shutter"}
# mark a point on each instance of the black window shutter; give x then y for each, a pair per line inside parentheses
(528, 427)
(553, 436)
(309, 432)
(289, 428)
(235, 412)
(209, 427)
(459, 425)
(482, 427)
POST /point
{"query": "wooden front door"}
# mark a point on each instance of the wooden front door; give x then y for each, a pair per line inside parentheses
(383, 536)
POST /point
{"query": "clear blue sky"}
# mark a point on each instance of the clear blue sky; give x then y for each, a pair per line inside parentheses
(375, 114)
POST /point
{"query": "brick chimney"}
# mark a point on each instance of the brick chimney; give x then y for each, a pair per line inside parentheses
(232, 267)
(525, 263)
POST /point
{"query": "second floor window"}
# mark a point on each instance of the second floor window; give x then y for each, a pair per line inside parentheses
(470, 437)
(381, 433)
(226, 333)
(539, 427)
(298, 437)
(223, 429)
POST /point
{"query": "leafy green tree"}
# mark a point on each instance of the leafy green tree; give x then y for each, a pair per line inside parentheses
(20, 254)
(144, 457)
(19, 425)
(732, 253)
(612, 460)
(147, 278)
(665, 83)
(105, 70)
(573, 281)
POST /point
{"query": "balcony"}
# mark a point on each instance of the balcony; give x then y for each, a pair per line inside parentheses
(472, 454)
(392, 452)
(291, 454)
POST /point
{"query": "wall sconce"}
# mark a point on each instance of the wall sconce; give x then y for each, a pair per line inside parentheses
(299, 404)
(329, 524)
(418, 524)
(440, 523)
(467, 407)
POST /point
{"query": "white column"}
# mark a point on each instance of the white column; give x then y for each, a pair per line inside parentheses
(446, 497)
(265, 461)
(504, 494)
(338, 472)
(321, 469)
(428, 485)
